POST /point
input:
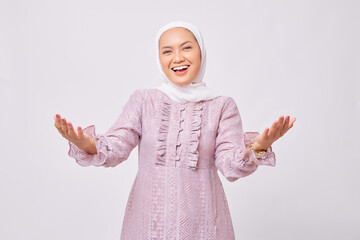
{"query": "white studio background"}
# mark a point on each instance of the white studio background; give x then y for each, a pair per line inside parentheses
(84, 58)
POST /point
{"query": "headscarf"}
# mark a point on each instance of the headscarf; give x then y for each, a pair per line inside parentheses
(197, 89)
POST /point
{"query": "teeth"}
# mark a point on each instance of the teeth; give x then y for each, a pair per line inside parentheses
(179, 68)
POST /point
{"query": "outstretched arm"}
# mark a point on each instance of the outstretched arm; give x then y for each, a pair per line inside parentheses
(232, 157)
(112, 147)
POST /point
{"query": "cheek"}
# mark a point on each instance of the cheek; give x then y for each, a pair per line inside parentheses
(197, 61)
(197, 69)
(165, 70)
(196, 58)
(164, 63)
(165, 66)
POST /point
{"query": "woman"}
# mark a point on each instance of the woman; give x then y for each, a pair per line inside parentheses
(185, 132)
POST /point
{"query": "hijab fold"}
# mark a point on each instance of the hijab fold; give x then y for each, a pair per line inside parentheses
(197, 89)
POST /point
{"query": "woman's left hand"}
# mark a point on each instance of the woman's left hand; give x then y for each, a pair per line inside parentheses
(277, 130)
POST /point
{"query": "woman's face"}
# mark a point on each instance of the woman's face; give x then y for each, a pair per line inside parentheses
(177, 48)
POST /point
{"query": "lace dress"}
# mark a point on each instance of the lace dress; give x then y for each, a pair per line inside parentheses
(177, 192)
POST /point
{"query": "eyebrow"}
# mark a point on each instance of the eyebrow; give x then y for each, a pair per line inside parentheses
(180, 45)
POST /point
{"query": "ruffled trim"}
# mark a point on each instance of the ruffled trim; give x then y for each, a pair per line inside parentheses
(163, 132)
(268, 159)
(84, 158)
(193, 154)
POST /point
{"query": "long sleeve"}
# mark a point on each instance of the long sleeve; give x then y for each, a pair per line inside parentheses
(116, 144)
(231, 156)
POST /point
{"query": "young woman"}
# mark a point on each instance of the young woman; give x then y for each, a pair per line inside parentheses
(185, 132)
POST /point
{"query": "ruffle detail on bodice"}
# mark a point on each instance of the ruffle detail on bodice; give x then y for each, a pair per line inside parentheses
(163, 132)
(193, 154)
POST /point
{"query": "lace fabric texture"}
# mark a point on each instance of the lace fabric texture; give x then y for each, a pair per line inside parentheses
(177, 192)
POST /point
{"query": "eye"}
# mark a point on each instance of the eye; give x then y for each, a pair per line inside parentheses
(165, 52)
(188, 47)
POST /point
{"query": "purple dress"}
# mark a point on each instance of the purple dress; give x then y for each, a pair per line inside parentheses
(177, 192)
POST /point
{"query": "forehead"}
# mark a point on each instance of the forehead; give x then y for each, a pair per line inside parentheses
(175, 35)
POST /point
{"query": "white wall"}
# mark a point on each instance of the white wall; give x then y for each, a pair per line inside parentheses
(84, 58)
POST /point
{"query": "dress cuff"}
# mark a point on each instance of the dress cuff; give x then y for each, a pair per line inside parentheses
(268, 159)
(84, 158)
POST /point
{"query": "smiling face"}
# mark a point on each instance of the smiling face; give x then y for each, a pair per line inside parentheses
(180, 55)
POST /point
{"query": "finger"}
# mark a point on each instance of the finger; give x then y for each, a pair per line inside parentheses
(61, 131)
(286, 125)
(63, 125)
(280, 126)
(71, 131)
(58, 124)
(292, 122)
(290, 125)
(273, 129)
(80, 132)
(57, 121)
(266, 133)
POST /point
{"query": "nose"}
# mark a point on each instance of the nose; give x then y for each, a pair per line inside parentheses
(178, 57)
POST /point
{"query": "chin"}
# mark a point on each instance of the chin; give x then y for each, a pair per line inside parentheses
(181, 83)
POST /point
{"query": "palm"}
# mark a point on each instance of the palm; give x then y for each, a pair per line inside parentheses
(277, 130)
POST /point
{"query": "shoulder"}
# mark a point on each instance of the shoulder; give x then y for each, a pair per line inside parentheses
(224, 103)
(227, 107)
(144, 92)
(139, 94)
(136, 98)
(229, 102)
(144, 96)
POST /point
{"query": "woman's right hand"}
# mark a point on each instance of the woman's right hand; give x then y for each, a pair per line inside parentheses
(79, 138)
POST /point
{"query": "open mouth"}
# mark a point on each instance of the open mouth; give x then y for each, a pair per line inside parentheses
(180, 69)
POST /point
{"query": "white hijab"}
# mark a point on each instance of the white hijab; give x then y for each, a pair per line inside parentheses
(197, 89)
